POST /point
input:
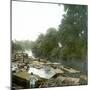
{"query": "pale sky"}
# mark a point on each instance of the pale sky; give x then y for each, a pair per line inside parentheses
(31, 19)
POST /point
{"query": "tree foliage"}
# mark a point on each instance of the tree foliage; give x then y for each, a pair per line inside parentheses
(16, 47)
(72, 34)
(45, 43)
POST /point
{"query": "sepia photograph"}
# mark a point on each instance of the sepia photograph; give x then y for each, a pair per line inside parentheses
(49, 44)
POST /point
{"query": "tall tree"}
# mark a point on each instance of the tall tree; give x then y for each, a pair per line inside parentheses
(44, 44)
(73, 32)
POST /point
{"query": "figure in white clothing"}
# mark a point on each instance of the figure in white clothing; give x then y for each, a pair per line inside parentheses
(33, 80)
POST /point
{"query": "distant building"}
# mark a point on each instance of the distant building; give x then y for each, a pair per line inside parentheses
(19, 57)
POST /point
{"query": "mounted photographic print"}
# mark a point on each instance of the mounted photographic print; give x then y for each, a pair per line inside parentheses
(49, 44)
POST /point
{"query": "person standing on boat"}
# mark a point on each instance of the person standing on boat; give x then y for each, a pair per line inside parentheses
(33, 80)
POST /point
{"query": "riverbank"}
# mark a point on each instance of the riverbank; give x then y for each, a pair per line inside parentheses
(49, 74)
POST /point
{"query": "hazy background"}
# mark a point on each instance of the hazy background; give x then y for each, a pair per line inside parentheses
(31, 19)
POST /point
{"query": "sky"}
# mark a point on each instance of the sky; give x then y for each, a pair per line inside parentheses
(31, 19)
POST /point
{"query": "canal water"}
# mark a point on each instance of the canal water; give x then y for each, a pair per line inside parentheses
(29, 52)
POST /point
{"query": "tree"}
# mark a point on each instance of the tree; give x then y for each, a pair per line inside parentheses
(16, 47)
(72, 35)
(73, 32)
(45, 43)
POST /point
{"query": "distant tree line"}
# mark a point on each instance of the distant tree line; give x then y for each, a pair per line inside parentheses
(16, 47)
(21, 45)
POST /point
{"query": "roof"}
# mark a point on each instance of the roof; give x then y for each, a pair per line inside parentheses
(58, 71)
(25, 75)
(71, 70)
(43, 73)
